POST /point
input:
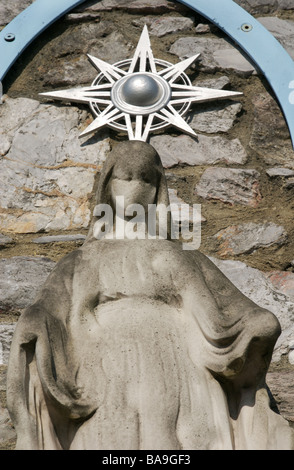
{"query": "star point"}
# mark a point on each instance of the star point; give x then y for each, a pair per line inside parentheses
(140, 95)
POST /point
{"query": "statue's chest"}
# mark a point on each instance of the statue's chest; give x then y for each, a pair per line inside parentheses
(133, 270)
(135, 276)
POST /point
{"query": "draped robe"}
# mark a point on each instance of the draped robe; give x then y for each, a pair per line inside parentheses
(143, 346)
(139, 344)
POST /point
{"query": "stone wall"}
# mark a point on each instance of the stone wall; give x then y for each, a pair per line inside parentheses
(241, 169)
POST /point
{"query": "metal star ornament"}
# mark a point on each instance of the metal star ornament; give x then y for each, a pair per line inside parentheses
(140, 95)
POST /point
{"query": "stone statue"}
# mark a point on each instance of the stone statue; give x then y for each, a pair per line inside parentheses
(139, 344)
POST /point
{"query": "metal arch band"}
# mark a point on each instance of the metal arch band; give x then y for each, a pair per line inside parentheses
(255, 40)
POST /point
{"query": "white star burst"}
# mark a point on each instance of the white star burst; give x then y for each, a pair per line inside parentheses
(140, 95)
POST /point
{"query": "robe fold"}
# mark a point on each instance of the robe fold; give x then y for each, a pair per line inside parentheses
(134, 345)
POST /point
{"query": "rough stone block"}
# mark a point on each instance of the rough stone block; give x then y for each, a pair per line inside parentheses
(270, 135)
(46, 172)
(20, 278)
(204, 150)
(216, 54)
(246, 238)
(165, 25)
(214, 118)
(231, 186)
(6, 333)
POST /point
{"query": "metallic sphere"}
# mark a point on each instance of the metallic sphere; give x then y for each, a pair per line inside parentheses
(141, 90)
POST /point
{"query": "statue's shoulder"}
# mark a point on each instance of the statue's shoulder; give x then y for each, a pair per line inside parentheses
(65, 266)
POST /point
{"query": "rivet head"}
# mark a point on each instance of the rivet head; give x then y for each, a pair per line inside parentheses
(141, 90)
(9, 37)
(246, 27)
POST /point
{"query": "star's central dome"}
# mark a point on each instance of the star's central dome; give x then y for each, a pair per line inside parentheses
(141, 90)
(142, 94)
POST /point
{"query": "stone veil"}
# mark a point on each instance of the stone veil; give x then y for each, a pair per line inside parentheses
(139, 344)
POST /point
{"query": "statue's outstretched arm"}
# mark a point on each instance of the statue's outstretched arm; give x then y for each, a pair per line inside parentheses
(240, 334)
(41, 360)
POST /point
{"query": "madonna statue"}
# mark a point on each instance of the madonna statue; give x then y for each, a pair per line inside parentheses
(137, 344)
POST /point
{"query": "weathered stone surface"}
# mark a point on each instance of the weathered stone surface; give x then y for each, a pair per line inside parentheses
(133, 6)
(218, 83)
(87, 38)
(83, 16)
(246, 238)
(279, 172)
(202, 28)
(291, 353)
(166, 25)
(285, 175)
(60, 238)
(255, 285)
(13, 114)
(7, 431)
(233, 59)
(283, 281)
(20, 278)
(4, 240)
(289, 183)
(46, 172)
(175, 200)
(218, 116)
(3, 378)
(270, 135)
(228, 185)
(281, 384)
(216, 54)
(182, 215)
(99, 40)
(283, 30)
(6, 333)
(285, 4)
(9, 10)
(185, 150)
(214, 118)
(265, 6)
(72, 73)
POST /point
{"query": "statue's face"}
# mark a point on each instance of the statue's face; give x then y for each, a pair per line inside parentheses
(136, 186)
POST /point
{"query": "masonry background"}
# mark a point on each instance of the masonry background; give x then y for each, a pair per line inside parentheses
(241, 170)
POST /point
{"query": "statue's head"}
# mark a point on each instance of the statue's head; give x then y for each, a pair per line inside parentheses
(133, 170)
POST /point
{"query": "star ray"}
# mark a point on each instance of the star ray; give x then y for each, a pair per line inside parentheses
(204, 93)
(162, 100)
(143, 54)
(139, 128)
(148, 127)
(109, 115)
(200, 95)
(172, 73)
(111, 72)
(129, 127)
(78, 95)
(173, 118)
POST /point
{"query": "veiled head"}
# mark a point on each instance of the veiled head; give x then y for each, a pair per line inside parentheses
(133, 170)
